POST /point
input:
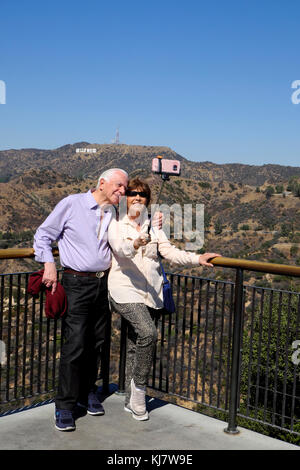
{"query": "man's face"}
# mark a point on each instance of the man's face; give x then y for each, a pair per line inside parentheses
(113, 189)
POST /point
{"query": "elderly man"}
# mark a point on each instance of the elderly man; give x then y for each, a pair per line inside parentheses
(79, 223)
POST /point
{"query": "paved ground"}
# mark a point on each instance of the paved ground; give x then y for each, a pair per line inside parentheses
(169, 427)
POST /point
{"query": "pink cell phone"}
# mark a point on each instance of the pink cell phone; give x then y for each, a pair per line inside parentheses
(166, 167)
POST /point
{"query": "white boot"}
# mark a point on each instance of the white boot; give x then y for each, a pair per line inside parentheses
(137, 403)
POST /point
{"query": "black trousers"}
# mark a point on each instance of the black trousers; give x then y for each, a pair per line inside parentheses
(84, 329)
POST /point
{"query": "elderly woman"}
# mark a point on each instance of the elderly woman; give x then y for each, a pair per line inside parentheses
(135, 286)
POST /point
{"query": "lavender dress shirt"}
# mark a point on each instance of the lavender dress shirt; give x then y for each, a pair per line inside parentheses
(74, 223)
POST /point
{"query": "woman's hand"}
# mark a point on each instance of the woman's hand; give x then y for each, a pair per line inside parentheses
(142, 240)
(203, 259)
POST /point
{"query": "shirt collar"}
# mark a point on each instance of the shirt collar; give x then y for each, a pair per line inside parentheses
(90, 200)
(91, 203)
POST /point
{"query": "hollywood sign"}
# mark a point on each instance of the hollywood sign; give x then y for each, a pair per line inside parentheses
(86, 150)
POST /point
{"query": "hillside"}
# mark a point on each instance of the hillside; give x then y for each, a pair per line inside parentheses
(241, 220)
(65, 160)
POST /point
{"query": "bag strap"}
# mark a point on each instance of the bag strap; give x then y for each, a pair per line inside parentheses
(162, 269)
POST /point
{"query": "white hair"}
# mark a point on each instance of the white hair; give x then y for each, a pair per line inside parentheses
(107, 174)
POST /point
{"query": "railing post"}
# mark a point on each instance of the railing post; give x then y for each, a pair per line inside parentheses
(122, 365)
(105, 357)
(236, 353)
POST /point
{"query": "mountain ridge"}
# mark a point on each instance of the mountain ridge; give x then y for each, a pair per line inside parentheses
(66, 160)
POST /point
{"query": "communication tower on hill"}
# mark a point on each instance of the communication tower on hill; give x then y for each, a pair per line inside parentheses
(117, 138)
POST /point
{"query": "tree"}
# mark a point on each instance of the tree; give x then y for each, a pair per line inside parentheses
(269, 379)
(234, 226)
(285, 230)
(293, 250)
(269, 192)
(296, 191)
(218, 227)
(279, 188)
(292, 184)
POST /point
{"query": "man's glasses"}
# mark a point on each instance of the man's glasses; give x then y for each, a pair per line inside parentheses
(135, 193)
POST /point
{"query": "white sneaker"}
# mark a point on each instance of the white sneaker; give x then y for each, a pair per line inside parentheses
(137, 403)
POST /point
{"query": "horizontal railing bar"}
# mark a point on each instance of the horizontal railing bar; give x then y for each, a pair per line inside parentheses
(22, 272)
(249, 265)
(271, 268)
(12, 253)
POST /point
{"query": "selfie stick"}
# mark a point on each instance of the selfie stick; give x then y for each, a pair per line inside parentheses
(164, 178)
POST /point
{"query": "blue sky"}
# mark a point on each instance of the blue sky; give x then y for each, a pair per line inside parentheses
(211, 80)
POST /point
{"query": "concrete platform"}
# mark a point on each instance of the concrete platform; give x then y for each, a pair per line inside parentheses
(169, 427)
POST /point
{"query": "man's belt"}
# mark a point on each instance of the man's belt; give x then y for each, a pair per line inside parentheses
(98, 274)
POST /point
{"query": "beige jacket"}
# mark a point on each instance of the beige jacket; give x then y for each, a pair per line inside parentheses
(135, 275)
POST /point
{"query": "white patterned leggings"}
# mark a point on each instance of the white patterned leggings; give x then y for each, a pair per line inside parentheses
(141, 340)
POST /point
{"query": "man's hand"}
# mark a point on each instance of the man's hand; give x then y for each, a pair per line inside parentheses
(142, 240)
(203, 259)
(157, 220)
(50, 276)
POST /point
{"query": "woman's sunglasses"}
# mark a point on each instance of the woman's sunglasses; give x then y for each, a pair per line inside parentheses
(135, 193)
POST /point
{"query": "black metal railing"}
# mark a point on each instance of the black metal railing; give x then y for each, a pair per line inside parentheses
(30, 344)
(192, 358)
(269, 376)
(229, 347)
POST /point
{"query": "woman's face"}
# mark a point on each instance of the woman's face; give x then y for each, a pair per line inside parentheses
(136, 202)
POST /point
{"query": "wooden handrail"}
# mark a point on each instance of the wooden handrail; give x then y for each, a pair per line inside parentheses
(13, 253)
(271, 268)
